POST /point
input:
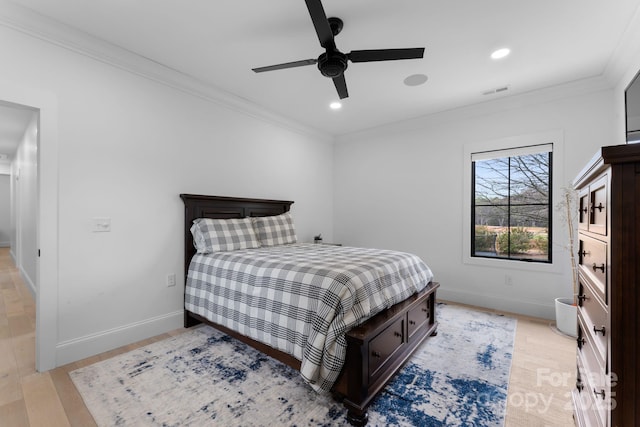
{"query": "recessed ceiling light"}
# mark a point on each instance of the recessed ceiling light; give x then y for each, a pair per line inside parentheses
(500, 53)
(415, 80)
(335, 105)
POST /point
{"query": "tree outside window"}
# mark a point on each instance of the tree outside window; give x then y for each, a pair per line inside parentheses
(511, 213)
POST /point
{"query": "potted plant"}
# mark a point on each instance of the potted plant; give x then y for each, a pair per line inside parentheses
(567, 308)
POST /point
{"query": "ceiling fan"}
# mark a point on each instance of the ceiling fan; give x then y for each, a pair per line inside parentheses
(332, 63)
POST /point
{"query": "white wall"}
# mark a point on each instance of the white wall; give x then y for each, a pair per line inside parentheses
(5, 210)
(128, 146)
(401, 188)
(24, 172)
(632, 69)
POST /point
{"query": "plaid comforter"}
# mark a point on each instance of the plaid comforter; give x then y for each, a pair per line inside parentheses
(302, 298)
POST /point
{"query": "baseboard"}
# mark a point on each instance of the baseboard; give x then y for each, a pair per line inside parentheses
(90, 345)
(30, 285)
(518, 306)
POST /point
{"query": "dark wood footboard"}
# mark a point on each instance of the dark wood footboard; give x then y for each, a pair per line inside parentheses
(377, 350)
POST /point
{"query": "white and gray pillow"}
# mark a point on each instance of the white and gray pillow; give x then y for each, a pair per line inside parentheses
(222, 235)
(275, 230)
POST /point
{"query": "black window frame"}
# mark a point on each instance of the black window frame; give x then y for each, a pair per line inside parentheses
(514, 257)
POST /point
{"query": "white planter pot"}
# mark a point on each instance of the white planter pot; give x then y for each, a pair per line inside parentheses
(567, 316)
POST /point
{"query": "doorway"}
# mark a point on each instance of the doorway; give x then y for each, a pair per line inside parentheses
(43, 214)
(19, 147)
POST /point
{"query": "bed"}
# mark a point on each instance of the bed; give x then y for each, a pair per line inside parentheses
(358, 354)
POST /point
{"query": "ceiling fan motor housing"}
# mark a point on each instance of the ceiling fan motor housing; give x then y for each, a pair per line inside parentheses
(332, 63)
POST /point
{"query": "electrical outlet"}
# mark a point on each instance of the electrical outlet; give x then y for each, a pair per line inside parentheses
(171, 280)
(508, 280)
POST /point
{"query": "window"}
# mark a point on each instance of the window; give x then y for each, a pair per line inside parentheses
(510, 206)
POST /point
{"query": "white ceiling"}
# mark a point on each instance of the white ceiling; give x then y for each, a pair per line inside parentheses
(219, 42)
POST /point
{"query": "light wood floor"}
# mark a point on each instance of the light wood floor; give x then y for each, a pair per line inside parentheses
(541, 373)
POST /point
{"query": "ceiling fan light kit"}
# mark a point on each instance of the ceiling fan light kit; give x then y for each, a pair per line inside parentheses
(333, 63)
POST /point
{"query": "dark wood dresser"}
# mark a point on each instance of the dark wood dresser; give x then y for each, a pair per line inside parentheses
(608, 357)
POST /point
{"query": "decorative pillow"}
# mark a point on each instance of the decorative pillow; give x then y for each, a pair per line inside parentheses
(222, 235)
(275, 230)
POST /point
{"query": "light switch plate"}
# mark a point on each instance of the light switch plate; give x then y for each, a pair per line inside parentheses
(101, 225)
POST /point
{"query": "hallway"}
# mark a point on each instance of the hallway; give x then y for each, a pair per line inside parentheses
(26, 397)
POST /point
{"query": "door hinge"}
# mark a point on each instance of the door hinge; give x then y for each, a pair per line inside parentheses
(38, 253)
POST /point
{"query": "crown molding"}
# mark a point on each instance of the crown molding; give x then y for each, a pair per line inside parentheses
(623, 63)
(535, 97)
(46, 29)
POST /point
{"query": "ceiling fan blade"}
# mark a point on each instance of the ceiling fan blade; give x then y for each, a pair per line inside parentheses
(385, 54)
(286, 65)
(341, 86)
(321, 23)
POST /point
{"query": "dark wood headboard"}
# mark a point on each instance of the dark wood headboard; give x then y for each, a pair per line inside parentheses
(197, 206)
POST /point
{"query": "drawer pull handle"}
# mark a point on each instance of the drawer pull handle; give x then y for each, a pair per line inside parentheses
(601, 393)
(583, 210)
(426, 310)
(582, 298)
(599, 207)
(584, 253)
(601, 330)
(397, 334)
(596, 267)
(579, 385)
(581, 342)
(376, 354)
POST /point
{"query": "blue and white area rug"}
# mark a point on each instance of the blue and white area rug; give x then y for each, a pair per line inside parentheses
(204, 378)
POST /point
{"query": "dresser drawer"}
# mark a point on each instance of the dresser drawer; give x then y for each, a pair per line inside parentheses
(583, 209)
(594, 316)
(586, 401)
(592, 260)
(384, 345)
(418, 316)
(593, 360)
(592, 374)
(598, 206)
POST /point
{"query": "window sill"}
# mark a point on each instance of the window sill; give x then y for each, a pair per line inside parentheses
(538, 267)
